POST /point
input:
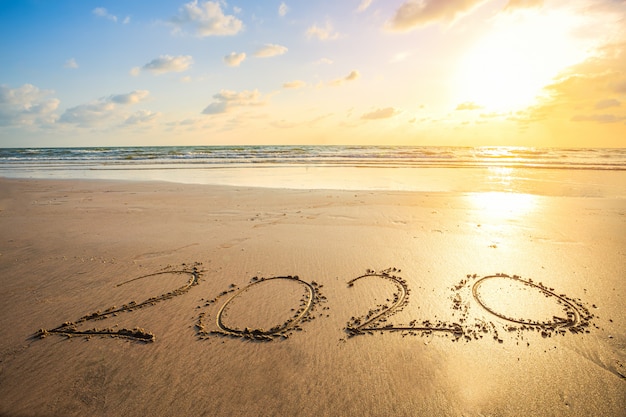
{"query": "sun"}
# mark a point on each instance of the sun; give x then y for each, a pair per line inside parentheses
(507, 69)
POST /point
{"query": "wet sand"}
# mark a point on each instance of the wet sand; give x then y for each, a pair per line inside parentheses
(149, 298)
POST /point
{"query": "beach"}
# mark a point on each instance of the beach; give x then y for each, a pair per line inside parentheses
(156, 298)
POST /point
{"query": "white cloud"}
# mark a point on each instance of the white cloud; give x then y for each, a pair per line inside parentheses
(142, 117)
(234, 59)
(227, 100)
(364, 5)
(325, 33)
(126, 20)
(70, 63)
(385, 113)
(165, 64)
(26, 105)
(324, 61)
(282, 9)
(105, 109)
(294, 84)
(129, 98)
(415, 13)
(89, 114)
(400, 56)
(206, 19)
(102, 12)
(354, 74)
(270, 50)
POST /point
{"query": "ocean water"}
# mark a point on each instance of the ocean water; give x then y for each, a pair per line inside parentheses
(552, 171)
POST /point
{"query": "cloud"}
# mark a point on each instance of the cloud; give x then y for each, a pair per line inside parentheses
(599, 118)
(364, 5)
(234, 59)
(165, 64)
(89, 114)
(188, 125)
(586, 86)
(468, 105)
(619, 86)
(270, 50)
(227, 100)
(70, 63)
(282, 9)
(415, 13)
(606, 103)
(492, 115)
(206, 19)
(399, 57)
(323, 61)
(322, 33)
(294, 84)
(27, 105)
(103, 110)
(523, 4)
(142, 117)
(129, 98)
(102, 12)
(354, 74)
(378, 114)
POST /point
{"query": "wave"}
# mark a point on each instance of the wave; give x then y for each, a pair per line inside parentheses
(349, 156)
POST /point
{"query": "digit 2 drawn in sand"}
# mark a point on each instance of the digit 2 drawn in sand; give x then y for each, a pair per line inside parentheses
(304, 313)
(374, 319)
(70, 328)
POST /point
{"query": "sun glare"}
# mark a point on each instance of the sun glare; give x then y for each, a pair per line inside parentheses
(507, 69)
(498, 205)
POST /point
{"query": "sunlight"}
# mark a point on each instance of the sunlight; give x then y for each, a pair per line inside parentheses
(497, 205)
(501, 175)
(507, 69)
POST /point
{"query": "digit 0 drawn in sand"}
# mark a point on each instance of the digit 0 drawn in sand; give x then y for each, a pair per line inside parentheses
(220, 326)
(569, 314)
(376, 317)
(70, 329)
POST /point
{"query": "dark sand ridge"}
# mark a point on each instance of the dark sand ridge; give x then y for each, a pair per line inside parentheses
(67, 247)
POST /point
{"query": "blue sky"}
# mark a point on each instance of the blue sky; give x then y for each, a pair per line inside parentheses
(414, 72)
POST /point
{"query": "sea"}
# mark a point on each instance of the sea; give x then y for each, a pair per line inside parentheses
(588, 172)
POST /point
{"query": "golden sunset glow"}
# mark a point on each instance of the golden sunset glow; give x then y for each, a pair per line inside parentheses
(508, 68)
(544, 73)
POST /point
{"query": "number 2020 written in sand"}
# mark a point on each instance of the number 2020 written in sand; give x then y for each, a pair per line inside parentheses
(574, 317)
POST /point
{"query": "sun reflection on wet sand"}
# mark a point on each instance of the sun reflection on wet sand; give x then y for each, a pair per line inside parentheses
(502, 176)
(503, 205)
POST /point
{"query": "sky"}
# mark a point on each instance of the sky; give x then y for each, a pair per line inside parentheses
(380, 72)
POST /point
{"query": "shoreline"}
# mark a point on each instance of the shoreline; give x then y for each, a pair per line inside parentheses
(72, 249)
(545, 182)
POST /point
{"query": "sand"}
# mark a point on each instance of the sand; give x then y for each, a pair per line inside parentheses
(153, 298)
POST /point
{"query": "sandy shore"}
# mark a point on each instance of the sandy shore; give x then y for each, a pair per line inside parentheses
(191, 300)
